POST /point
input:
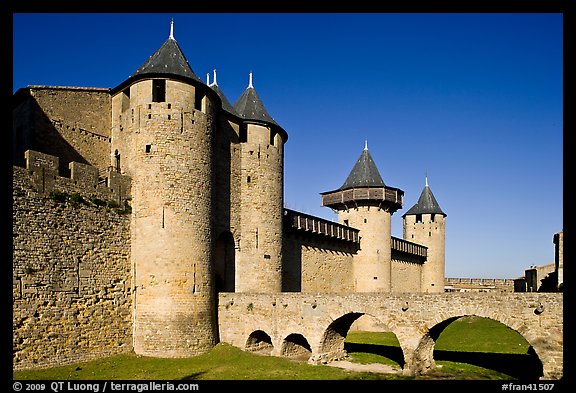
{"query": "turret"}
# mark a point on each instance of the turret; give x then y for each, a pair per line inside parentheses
(261, 148)
(424, 223)
(366, 203)
(162, 130)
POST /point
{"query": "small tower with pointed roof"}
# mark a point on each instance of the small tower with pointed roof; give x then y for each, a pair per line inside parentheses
(261, 195)
(425, 223)
(366, 203)
(162, 126)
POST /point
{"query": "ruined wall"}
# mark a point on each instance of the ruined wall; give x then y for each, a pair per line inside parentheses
(72, 296)
(72, 123)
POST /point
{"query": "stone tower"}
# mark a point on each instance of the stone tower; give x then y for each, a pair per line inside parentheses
(162, 130)
(261, 194)
(424, 223)
(366, 203)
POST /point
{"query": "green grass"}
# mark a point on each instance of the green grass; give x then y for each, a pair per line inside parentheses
(225, 362)
(473, 334)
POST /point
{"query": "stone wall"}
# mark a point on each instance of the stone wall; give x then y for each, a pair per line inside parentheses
(72, 123)
(72, 296)
(315, 263)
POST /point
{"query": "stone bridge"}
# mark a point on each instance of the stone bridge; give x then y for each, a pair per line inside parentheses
(314, 326)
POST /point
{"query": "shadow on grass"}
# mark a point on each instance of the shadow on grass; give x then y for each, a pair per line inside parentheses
(192, 377)
(393, 353)
(523, 367)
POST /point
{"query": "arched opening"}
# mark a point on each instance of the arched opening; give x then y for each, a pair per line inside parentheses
(224, 263)
(369, 340)
(296, 347)
(478, 343)
(259, 342)
(333, 339)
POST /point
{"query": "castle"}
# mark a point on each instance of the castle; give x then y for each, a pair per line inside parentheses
(198, 183)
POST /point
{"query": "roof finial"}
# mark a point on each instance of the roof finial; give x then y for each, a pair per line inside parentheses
(426, 178)
(208, 78)
(366, 144)
(172, 29)
(250, 82)
(215, 83)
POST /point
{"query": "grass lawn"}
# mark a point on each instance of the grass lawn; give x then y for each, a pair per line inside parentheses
(225, 362)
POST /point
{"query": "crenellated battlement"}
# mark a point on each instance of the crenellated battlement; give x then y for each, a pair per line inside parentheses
(42, 171)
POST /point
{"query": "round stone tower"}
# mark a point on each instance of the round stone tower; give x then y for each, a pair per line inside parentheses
(425, 223)
(163, 124)
(261, 144)
(366, 203)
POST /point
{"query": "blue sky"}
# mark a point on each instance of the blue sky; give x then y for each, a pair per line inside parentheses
(472, 100)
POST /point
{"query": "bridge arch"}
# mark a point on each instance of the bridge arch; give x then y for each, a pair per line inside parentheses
(423, 359)
(331, 344)
(259, 342)
(295, 346)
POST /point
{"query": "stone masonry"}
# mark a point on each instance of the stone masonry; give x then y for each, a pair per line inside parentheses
(149, 217)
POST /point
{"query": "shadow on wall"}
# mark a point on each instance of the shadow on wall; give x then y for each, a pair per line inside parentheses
(35, 131)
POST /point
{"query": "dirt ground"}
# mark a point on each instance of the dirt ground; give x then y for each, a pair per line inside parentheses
(370, 368)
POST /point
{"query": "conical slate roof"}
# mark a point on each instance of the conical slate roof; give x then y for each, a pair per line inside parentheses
(225, 103)
(426, 204)
(250, 107)
(168, 59)
(364, 173)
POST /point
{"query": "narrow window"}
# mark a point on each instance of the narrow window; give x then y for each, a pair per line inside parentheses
(248, 179)
(149, 115)
(198, 101)
(272, 137)
(346, 222)
(432, 217)
(243, 133)
(148, 148)
(365, 221)
(418, 217)
(117, 160)
(158, 90)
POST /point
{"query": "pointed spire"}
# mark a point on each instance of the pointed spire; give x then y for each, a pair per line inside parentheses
(171, 29)
(250, 86)
(215, 83)
(426, 203)
(366, 144)
(168, 59)
(364, 173)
